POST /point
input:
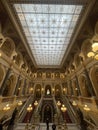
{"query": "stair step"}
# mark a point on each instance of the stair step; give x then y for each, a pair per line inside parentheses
(42, 126)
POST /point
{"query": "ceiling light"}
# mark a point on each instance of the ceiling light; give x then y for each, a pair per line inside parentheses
(94, 52)
(95, 46)
(56, 21)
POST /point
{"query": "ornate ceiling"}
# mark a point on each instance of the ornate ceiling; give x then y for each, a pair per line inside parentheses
(48, 30)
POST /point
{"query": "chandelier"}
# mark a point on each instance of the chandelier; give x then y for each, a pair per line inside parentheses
(63, 108)
(20, 103)
(86, 108)
(94, 52)
(29, 108)
(35, 103)
(6, 108)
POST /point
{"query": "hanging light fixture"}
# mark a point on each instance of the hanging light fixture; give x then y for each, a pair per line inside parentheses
(6, 108)
(94, 52)
(35, 103)
(63, 108)
(29, 108)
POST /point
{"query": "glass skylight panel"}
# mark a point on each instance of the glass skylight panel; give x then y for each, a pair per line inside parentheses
(48, 29)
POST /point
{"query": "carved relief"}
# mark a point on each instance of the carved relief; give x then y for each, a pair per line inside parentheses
(2, 74)
(9, 86)
(86, 47)
(8, 47)
(84, 86)
(94, 78)
(19, 59)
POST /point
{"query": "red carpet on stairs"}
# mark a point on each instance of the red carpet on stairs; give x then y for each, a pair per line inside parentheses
(66, 117)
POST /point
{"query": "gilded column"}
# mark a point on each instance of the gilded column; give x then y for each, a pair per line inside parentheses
(4, 81)
(78, 85)
(17, 85)
(23, 92)
(90, 86)
(70, 84)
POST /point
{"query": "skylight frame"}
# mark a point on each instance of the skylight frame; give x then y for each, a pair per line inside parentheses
(50, 62)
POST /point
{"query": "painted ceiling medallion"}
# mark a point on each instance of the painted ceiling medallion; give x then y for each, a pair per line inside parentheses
(34, 32)
(42, 20)
(65, 21)
(48, 29)
(53, 32)
(43, 32)
(31, 21)
(62, 32)
(54, 21)
(52, 41)
(44, 40)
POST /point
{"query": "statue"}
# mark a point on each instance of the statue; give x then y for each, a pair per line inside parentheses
(48, 92)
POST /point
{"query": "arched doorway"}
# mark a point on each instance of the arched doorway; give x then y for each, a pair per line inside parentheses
(47, 113)
(9, 86)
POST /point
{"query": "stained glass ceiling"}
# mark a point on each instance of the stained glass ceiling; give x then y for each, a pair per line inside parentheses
(48, 29)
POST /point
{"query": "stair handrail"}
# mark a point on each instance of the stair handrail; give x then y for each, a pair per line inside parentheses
(74, 117)
(23, 110)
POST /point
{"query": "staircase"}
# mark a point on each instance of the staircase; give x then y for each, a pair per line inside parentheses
(42, 126)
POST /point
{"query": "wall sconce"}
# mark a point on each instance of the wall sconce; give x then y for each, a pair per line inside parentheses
(63, 108)
(31, 89)
(94, 52)
(86, 108)
(18, 88)
(29, 108)
(64, 89)
(42, 89)
(76, 89)
(53, 89)
(58, 103)
(6, 108)
(0, 54)
(35, 103)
